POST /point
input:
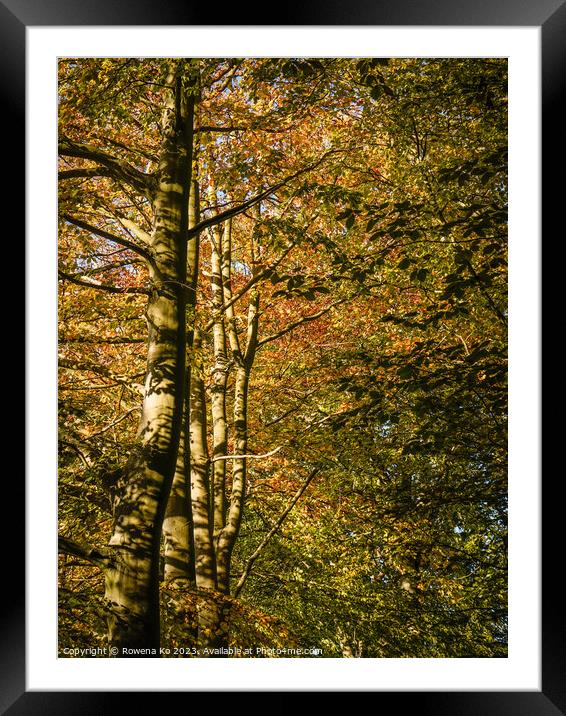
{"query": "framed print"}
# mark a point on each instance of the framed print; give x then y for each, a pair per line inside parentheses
(526, 43)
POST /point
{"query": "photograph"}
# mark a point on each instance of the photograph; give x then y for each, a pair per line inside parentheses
(282, 353)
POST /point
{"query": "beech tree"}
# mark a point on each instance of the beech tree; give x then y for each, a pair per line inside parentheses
(282, 355)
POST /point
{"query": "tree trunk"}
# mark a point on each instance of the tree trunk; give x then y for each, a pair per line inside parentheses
(132, 583)
(205, 558)
(178, 545)
(218, 390)
(178, 523)
(229, 533)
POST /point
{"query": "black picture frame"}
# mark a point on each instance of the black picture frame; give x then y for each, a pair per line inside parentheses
(15, 17)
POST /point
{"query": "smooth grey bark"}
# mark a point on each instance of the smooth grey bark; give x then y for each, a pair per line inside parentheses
(178, 544)
(200, 479)
(209, 616)
(132, 580)
(218, 389)
(243, 360)
(178, 547)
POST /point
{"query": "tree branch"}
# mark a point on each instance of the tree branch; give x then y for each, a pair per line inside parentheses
(102, 557)
(486, 294)
(108, 267)
(140, 250)
(126, 381)
(133, 150)
(86, 173)
(118, 168)
(299, 322)
(246, 457)
(296, 497)
(113, 340)
(79, 492)
(254, 279)
(112, 424)
(256, 127)
(240, 208)
(135, 229)
(219, 129)
(102, 286)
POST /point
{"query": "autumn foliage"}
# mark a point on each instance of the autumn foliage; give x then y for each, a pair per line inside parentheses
(341, 387)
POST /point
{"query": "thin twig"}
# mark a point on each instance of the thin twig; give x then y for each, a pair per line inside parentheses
(296, 497)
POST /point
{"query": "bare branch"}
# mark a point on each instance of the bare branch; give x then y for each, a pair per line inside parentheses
(86, 173)
(97, 555)
(256, 127)
(299, 322)
(127, 382)
(133, 150)
(102, 286)
(113, 423)
(255, 279)
(220, 129)
(107, 267)
(296, 497)
(118, 168)
(240, 208)
(247, 457)
(114, 340)
(138, 232)
(140, 250)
